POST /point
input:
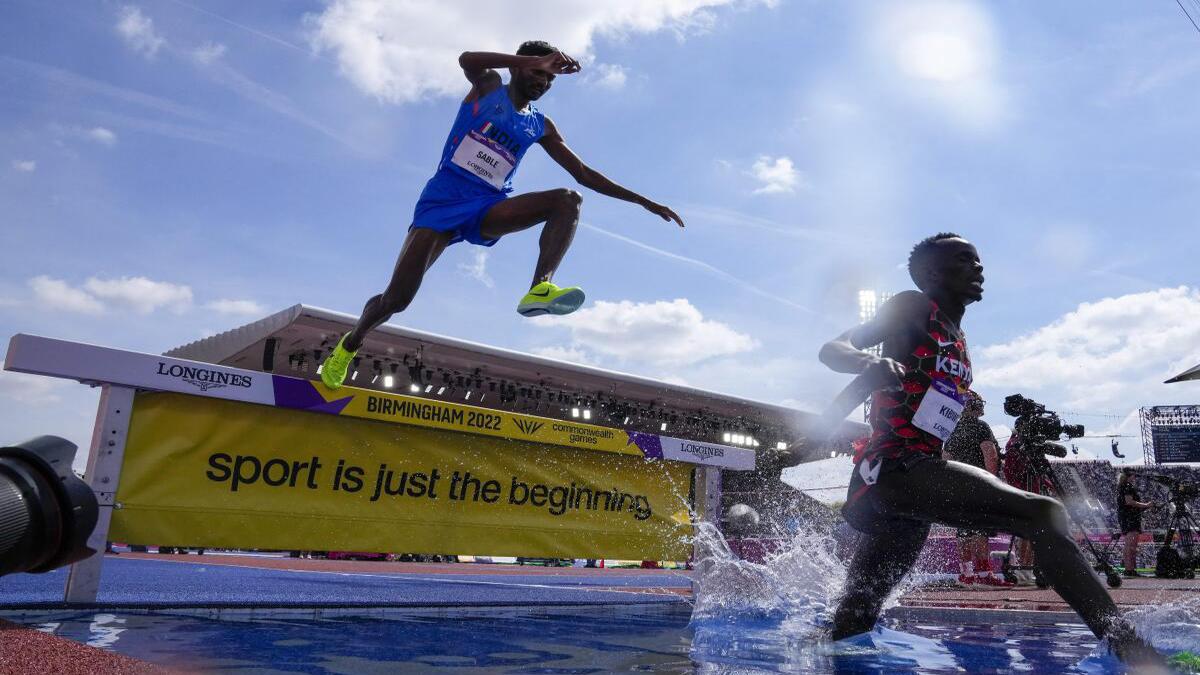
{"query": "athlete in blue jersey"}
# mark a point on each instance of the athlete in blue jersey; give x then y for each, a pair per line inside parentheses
(467, 198)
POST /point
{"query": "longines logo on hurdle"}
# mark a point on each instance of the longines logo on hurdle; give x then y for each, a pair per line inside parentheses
(204, 378)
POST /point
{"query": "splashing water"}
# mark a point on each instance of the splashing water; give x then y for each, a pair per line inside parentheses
(799, 582)
(775, 616)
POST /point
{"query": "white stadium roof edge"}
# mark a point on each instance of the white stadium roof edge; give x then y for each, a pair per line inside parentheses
(303, 328)
(1192, 373)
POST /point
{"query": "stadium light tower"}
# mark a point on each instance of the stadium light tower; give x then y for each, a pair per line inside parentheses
(868, 304)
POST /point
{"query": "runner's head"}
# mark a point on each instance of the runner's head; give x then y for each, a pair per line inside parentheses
(947, 263)
(533, 83)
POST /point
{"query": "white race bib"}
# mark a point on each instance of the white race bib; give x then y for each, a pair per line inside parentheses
(479, 157)
(940, 409)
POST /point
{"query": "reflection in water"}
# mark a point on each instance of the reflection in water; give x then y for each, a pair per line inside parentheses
(746, 618)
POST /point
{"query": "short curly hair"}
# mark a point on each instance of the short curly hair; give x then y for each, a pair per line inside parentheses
(536, 48)
(922, 254)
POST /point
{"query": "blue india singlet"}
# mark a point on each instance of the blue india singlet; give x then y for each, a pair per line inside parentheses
(488, 140)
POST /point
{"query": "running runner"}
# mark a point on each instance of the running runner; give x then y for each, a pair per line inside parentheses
(900, 484)
(467, 198)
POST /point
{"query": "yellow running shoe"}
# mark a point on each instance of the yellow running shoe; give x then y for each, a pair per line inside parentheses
(546, 298)
(333, 371)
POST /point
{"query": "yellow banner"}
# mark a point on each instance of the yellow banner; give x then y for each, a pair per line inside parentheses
(225, 474)
(435, 414)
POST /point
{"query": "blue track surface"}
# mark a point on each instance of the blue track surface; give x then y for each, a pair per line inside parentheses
(153, 583)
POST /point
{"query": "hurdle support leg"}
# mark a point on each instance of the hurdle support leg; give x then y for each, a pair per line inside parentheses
(103, 471)
(710, 500)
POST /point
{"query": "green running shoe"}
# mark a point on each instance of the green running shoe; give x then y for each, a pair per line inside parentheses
(546, 298)
(1185, 662)
(333, 371)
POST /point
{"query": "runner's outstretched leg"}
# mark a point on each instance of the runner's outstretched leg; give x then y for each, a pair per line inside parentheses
(421, 249)
(960, 495)
(879, 564)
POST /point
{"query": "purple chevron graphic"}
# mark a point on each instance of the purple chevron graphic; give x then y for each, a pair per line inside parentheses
(649, 444)
(302, 395)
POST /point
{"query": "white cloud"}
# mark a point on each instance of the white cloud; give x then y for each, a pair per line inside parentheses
(477, 268)
(1106, 356)
(137, 30)
(30, 389)
(569, 354)
(236, 307)
(946, 53)
(661, 333)
(609, 76)
(777, 175)
(141, 294)
(24, 165)
(407, 51)
(102, 136)
(58, 294)
(208, 52)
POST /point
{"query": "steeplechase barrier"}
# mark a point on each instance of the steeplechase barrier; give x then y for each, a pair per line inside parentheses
(186, 453)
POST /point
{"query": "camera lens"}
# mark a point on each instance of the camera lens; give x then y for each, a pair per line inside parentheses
(46, 512)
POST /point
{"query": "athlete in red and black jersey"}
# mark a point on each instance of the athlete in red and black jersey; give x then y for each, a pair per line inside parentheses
(900, 483)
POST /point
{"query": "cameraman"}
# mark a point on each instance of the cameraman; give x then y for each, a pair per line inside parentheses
(974, 443)
(1129, 517)
(1020, 471)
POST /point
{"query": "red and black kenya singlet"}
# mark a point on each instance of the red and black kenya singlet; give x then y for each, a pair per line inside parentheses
(939, 368)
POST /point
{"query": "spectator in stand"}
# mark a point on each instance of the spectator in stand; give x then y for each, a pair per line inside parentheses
(1129, 516)
(974, 443)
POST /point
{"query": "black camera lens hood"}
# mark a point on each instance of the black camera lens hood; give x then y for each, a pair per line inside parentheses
(70, 516)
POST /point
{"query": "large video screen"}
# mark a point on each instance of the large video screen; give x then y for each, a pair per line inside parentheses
(1176, 443)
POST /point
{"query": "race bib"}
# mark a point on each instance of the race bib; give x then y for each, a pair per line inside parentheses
(940, 410)
(484, 159)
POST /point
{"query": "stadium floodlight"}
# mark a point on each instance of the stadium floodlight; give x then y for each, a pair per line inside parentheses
(575, 412)
(727, 437)
(587, 413)
(663, 427)
(781, 446)
(428, 388)
(414, 388)
(867, 304)
(389, 381)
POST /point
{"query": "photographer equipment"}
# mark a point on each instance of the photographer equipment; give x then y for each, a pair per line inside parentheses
(46, 512)
(1035, 433)
(1178, 563)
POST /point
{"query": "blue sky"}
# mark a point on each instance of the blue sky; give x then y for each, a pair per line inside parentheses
(171, 169)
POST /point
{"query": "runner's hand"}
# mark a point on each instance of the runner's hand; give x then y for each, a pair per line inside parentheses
(663, 212)
(557, 63)
(884, 374)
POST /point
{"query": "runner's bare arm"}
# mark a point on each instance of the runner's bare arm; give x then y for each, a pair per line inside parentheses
(480, 68)
(554, 145)
(899, 320)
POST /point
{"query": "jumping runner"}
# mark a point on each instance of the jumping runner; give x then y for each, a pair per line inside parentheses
(900, 485)
(467, 198)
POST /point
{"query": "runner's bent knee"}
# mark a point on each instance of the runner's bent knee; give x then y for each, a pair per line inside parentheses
(566, 199)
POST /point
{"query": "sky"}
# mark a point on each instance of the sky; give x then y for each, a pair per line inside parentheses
(171, 169)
